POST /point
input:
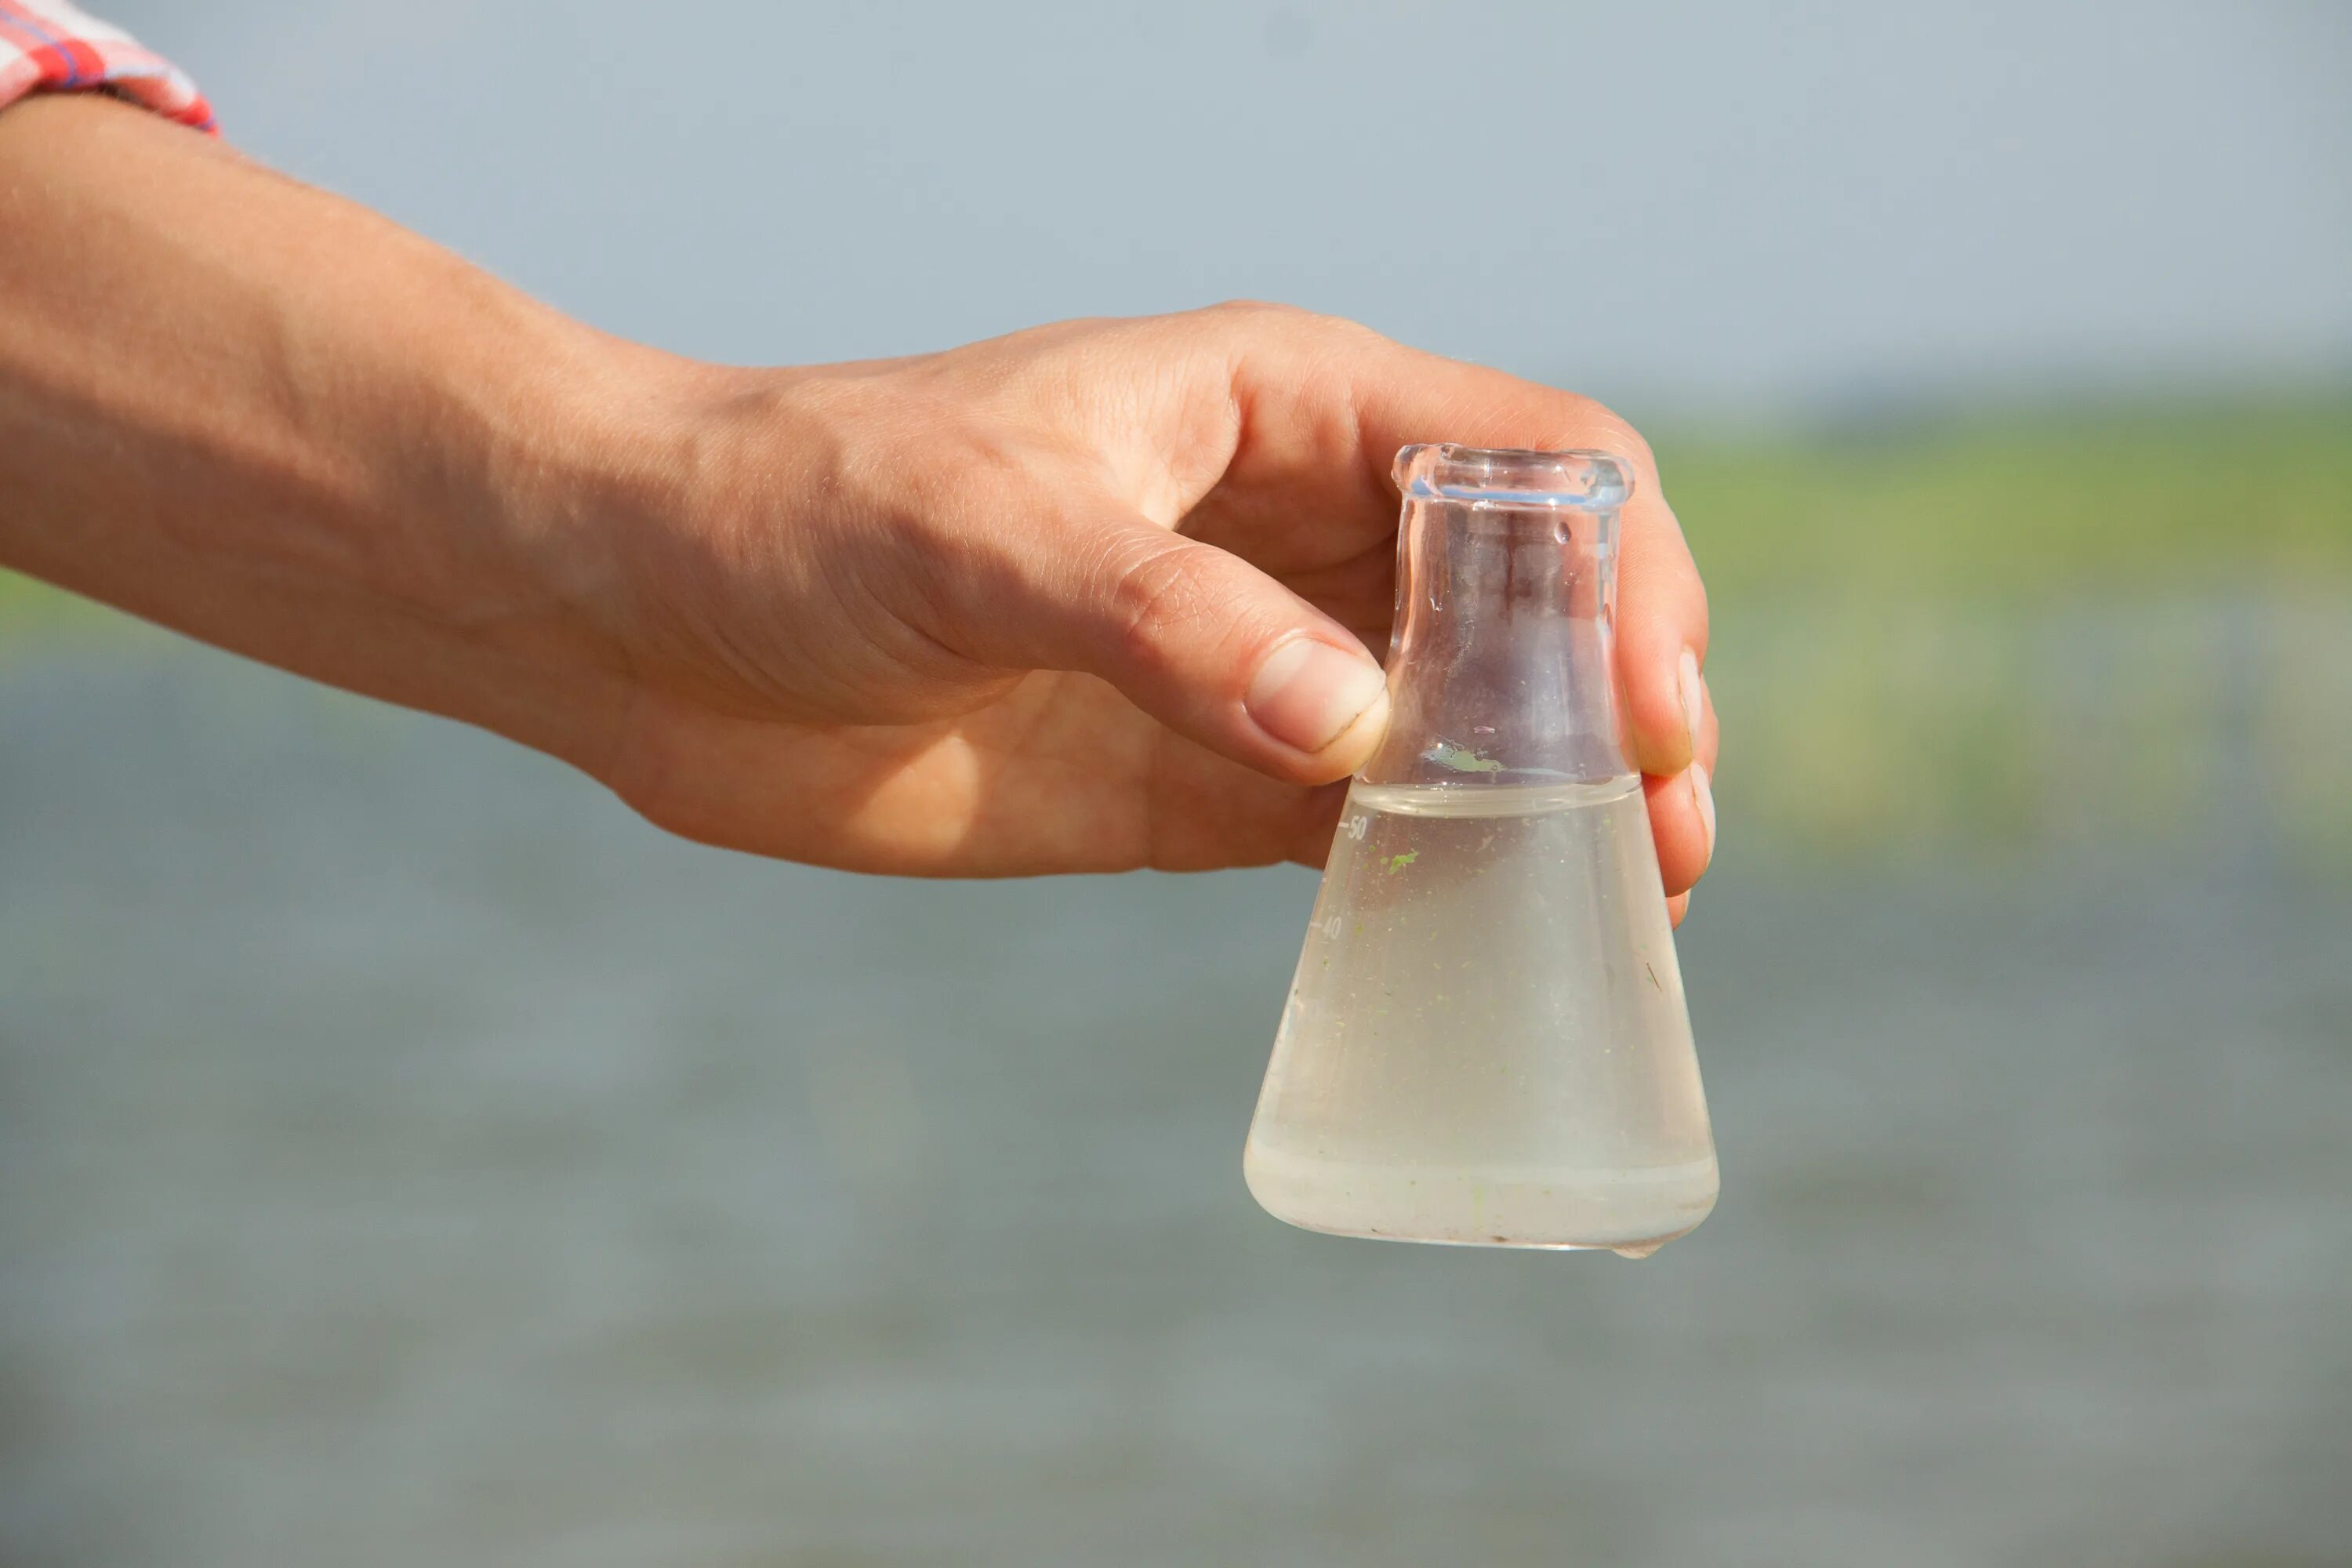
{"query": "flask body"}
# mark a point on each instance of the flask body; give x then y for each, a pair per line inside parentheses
(1486, 1040)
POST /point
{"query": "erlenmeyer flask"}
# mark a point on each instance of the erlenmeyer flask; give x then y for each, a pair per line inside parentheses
(1487, 1041)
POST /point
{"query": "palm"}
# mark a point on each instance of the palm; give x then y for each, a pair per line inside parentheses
(1058, 773)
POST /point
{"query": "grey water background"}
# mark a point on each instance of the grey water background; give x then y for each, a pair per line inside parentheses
(407, 1155)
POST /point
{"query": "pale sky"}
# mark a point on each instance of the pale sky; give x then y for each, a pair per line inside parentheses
(1734, 208)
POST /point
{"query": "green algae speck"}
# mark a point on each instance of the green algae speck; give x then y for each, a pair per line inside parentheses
(1461, 759)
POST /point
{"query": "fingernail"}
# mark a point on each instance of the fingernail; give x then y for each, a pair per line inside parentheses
(1703, 796)
(1686, 685)
(1307, 693)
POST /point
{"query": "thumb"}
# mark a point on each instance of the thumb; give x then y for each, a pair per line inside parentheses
(1207, 644)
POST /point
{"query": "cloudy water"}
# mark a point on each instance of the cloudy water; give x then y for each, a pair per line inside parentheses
(1486, 1040)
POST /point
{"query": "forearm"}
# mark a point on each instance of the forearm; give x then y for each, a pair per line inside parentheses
(257, 413)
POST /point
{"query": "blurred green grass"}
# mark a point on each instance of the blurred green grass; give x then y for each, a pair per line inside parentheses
(2026, 633)
(1992, 632)
(1995, 506)
(26, 607)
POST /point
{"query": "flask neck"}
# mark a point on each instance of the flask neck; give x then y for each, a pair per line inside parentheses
(1502, 661)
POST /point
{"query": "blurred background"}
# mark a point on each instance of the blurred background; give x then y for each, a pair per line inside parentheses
(407, 1155)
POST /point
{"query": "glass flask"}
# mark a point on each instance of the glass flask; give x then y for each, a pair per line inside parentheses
(1487, 1041)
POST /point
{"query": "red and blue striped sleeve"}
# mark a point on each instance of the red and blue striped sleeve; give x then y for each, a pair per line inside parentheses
(49, 46)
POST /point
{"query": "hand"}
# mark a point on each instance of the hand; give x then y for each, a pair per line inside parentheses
(1090, 597)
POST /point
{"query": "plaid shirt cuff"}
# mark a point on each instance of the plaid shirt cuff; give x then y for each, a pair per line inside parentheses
(47, 44)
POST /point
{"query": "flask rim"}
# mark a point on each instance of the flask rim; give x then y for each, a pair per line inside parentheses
(1577, 479)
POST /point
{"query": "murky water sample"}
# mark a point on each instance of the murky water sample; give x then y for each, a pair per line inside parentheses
(1487, 1041)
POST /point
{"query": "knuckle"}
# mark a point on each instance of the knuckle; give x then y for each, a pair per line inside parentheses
(1294, 321)
(1156, 594)
(1255, 308)
(1343, 331)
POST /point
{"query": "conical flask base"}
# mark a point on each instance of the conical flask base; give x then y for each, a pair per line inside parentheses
(1486, 1043)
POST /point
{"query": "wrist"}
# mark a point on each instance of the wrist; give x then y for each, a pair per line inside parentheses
(560, 478)
(484, 482)
(667, 520)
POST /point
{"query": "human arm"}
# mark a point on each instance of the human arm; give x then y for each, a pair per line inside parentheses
(1000, 610)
